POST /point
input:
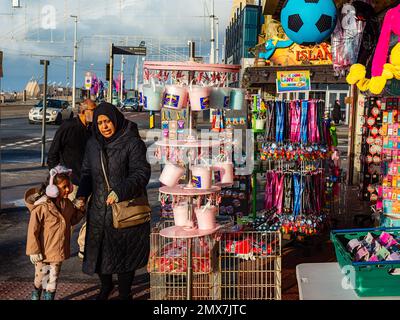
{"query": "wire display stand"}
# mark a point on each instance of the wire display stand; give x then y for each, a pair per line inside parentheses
(187, 237)
(228, 265)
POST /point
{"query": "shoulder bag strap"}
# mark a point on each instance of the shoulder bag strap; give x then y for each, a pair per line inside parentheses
(104, 171)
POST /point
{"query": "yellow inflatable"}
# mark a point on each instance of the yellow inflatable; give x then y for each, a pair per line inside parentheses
(376, 84)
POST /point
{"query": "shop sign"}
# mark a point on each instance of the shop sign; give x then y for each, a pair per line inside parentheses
(296, 54)
(293, 81)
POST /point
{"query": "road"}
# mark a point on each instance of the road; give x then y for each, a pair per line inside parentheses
(20, 152)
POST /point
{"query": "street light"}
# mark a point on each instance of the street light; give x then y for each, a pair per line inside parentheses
(75, 58)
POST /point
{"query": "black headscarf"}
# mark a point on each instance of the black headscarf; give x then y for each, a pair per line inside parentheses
(116, 117)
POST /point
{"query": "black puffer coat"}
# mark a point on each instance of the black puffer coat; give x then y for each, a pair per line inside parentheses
(109, 250)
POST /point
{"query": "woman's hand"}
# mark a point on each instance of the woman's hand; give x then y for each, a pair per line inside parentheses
(112, 198)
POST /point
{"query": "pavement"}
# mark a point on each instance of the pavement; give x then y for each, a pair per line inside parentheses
(16, 271)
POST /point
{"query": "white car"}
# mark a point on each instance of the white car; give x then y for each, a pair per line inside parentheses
(56, 112)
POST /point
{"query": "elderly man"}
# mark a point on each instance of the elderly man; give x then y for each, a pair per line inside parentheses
(68, 149)
(69, 143)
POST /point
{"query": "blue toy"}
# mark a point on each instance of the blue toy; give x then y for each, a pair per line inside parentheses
(308, 22)
(271, 45)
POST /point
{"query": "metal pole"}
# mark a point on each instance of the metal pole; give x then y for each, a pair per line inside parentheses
(352, 131)
(74, 67)
(45, 63)
(110, 85)
(217, 41)
(137, 74)
(212, 40)
(121, 92)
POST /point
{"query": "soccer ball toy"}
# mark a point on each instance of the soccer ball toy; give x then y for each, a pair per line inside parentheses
(308, 21)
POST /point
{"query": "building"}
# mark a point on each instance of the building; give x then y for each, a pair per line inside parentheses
(241, 35)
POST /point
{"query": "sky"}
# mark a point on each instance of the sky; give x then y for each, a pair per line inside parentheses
(43, 29)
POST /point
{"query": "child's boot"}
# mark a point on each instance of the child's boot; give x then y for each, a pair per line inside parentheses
(48, 295)
(36, 293)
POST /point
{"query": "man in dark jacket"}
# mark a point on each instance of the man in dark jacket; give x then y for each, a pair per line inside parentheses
(69, 143)
(68, 149)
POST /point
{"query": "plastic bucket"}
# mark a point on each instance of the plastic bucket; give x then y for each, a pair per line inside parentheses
(206, 217)
(219, 98)
(260, 124)
(199, 98)
(236, 101)
(171, 174)
(152, 97)
(175, 97)
(226, 171)
(201, 177)
(181, 215)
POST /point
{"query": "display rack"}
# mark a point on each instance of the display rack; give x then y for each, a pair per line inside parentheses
(188, 73)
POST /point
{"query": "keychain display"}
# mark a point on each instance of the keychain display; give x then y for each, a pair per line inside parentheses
(293, 152)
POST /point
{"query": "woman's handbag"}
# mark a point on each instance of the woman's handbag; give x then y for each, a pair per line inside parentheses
(128, 213)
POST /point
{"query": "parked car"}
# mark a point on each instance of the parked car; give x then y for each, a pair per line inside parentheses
(130, 104)
(56, 111)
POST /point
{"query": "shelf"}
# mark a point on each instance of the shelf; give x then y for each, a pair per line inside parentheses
(186, 233)
(188, 143)
(181, 190)
(190, 66)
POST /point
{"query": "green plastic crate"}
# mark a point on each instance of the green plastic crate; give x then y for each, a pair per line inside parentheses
(370, 278)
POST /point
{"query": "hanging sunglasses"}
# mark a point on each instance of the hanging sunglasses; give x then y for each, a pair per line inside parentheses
(374, 131)
(369, 159)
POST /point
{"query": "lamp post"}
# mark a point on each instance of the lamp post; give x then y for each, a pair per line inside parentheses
(46, 64)
(74, 66)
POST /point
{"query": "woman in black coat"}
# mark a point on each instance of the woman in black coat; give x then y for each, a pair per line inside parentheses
(108, 250)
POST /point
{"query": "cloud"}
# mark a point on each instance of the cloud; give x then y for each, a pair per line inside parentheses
(100, 23)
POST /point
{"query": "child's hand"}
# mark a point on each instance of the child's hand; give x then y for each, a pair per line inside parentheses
(36, 258)
(79, 204)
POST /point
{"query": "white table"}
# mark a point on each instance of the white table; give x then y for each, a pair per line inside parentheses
(323, 281)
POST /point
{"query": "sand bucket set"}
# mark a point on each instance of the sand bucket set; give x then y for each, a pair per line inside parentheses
(153, 96)
(181, 215)
(237, 99)
(171, 174)
(206, 217)
(224, 169)
(175, 97)
(220, 97)
(199, 96)
(201, 176)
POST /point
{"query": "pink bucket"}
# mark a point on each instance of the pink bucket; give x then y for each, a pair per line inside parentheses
(225, 170)
(201, 177)
(181, 215)
(171, 174)
(206, 217)
(175, 97)
(199, 98)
